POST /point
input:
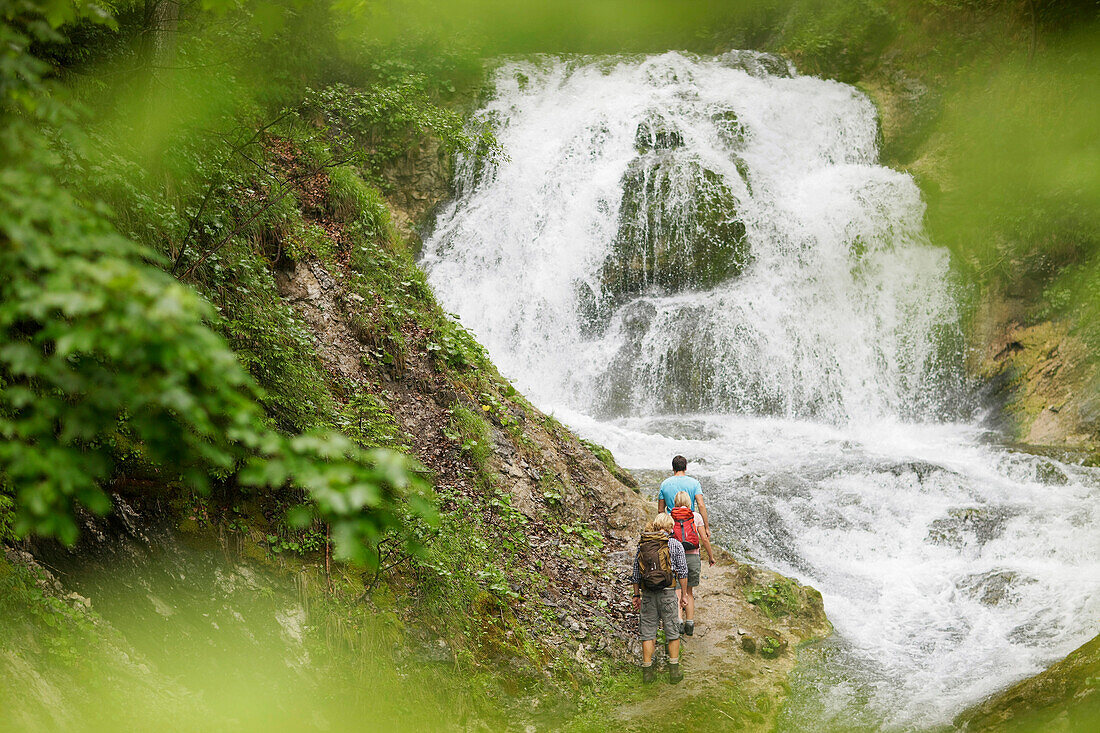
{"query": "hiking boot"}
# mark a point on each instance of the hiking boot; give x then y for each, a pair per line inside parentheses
(649, 674)
(689, 628)
(674, 673)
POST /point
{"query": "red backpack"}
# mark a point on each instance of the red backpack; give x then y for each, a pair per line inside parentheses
(684, 528)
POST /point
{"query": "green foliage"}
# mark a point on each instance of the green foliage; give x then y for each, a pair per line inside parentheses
(360, 205)
(388, 119)
(587, 535)
(93, 338)
(775, 599)
(837, 38)
(103, 356)
(7, 518)
(303, 543)
(366, 418)
(455, 347)
(551, 489)
(1022, 213)
(470, 431)
(60, 630)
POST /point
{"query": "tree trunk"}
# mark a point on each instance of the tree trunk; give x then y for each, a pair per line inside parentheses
(158, 41)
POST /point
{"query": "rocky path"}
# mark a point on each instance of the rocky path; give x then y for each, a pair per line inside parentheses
(728, 683)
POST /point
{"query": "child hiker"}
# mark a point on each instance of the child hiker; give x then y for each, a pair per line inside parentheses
(659, 566)
(688, 527)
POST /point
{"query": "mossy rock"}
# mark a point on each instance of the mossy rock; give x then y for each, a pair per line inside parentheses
(656, 133)
(778, 598)
(730, 129)
(608, 460)
(1065, 697)
(678, 229)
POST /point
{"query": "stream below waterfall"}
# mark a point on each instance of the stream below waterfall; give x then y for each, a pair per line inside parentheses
(703, 256)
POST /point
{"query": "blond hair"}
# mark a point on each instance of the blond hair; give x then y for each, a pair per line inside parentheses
(682, 499)
(663, 522)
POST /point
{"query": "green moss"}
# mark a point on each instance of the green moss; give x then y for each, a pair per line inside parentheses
(837, 39)
(675, 246)
(1064, 697)
(7, 518)
(608, 460)
(354, 202)
(776, 599)
(471, 432)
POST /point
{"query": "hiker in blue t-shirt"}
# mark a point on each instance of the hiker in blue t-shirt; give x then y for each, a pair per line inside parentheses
(680, 481)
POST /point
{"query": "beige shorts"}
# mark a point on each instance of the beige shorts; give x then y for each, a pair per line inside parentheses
(695, 569)
(660, 607)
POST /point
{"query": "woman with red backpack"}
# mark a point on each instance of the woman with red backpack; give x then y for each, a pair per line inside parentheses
(688, 527)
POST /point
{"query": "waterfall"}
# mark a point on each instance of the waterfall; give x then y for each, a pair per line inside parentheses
(703, 256)
(678, 234)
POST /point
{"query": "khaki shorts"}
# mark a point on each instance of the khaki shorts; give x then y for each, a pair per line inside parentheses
(660, 606)
(695, 569)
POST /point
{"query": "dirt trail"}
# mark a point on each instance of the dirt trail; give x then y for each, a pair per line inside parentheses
(726, 686)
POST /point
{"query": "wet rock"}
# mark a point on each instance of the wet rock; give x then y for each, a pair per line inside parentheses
(970, 526)
(767, 642)
(922, 469)
(992, 588)
(678, 229)
(1065, 697)
(656, 133)
(79, 601)
(1048, 473)
(756, 63)
(445, 397)
(438, 652)
(730, 129)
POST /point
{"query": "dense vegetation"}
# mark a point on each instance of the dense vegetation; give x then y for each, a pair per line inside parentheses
(161, 162)
(141, 331)
(137, 143)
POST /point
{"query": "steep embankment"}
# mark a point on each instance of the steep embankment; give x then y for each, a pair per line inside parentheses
(523, 586)
(567, 489)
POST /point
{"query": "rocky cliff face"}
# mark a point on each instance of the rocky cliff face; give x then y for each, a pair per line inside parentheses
(417, 183)
(1040, 375)
(1037, 372)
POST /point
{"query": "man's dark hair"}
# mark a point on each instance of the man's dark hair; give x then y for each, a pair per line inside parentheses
(679, 463)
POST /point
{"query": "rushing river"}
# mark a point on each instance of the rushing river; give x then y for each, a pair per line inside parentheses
(703, 256)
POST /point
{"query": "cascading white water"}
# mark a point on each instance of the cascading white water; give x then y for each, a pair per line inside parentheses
(546, 257)
(702, 256)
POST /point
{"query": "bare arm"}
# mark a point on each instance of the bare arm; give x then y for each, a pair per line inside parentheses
(660, 505)
(703, 511)
(704, 537)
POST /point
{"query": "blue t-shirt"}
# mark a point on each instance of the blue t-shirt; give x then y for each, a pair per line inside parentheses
(673, 485)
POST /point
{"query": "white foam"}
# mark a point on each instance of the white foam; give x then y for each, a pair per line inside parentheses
(949, 568)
